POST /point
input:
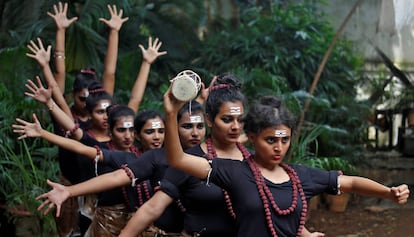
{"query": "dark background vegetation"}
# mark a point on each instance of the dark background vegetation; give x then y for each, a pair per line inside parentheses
(272, 46)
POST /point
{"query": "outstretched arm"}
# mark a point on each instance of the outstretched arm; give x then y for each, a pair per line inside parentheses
(147, 214)
(42, 56)
(114, 24)
(149, 56)
(39, 93)
(62, 23)
(368, 187)
(27, 129)
(175, 154)
(61, 193)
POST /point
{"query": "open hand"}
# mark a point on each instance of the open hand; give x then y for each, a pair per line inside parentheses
(27, 129)
(152, 53)
(60, 16)
(116, 20)
(58, 195)
(38, 92)
(39, 53)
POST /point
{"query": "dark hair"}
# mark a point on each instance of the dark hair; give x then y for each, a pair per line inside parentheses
(143, 116)
(195, 108)
(84, 78)
(96, 93)
(225, 89)
(268, 112)
(115, 112)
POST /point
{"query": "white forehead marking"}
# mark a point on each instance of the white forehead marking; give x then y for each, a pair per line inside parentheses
(128, 124)
(104, 105)
(195, 119)
(235, 110)
(156, 124)
(280, 133)
(86, 94)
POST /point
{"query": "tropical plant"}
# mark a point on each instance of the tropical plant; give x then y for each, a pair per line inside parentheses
(332, 163)
(277, 51)
(23, 177)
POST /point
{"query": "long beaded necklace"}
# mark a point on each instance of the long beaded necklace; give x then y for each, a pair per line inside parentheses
(267, 196)
(211, 153)
(138, 153)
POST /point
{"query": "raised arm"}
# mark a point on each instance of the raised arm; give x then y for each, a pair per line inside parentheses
(204, 92)
(114, 24)
(368, 187)
(148, 57)
(61, 193)
(39, 93)
(42, 56)
(62, 23)
(147, 214)
(193, 165)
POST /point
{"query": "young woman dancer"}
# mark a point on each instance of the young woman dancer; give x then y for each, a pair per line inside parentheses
(269, 197)
(151, 164)
(208, 209)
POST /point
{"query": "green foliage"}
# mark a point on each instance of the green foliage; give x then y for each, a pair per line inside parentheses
(23, 172)
(278, 51)
(332, 163)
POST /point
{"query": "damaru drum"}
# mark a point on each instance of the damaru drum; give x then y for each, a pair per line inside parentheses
(185, 85)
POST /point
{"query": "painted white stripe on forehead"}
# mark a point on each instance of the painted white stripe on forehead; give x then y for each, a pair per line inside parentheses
(195, 119)
(235, 110)
(280, 133)
(104, 105)
(156, 124)
(128, 124)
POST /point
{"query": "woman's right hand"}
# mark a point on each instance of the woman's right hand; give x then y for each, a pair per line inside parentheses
(58, 195)
(171, 104)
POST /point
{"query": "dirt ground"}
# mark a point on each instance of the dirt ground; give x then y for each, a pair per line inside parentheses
(361, 220)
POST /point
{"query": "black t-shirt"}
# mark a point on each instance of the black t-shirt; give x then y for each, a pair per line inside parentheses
(151, 165)
(68, 164)
(206, 210)
(238, 179)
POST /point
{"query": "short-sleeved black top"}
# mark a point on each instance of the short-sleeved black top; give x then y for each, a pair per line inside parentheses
(68, 163)
(150, 165)
(237, 178)
(206, 210)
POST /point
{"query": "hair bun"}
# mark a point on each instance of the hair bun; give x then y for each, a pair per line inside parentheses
(229, 80)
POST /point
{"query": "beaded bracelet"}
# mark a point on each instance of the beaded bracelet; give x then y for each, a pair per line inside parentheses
(97, 157)
(130, 175)
(70, 133)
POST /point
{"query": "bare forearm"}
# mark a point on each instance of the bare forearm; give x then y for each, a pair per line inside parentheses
(147, 214)
(137, 92)
(100, 183)
(364, 186)
(69, 144)
(60, 59)
(110, 62)
(62, 118)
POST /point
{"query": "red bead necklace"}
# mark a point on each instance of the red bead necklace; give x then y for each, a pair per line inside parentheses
(267, 196)
(211, 153)
(138, 153)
